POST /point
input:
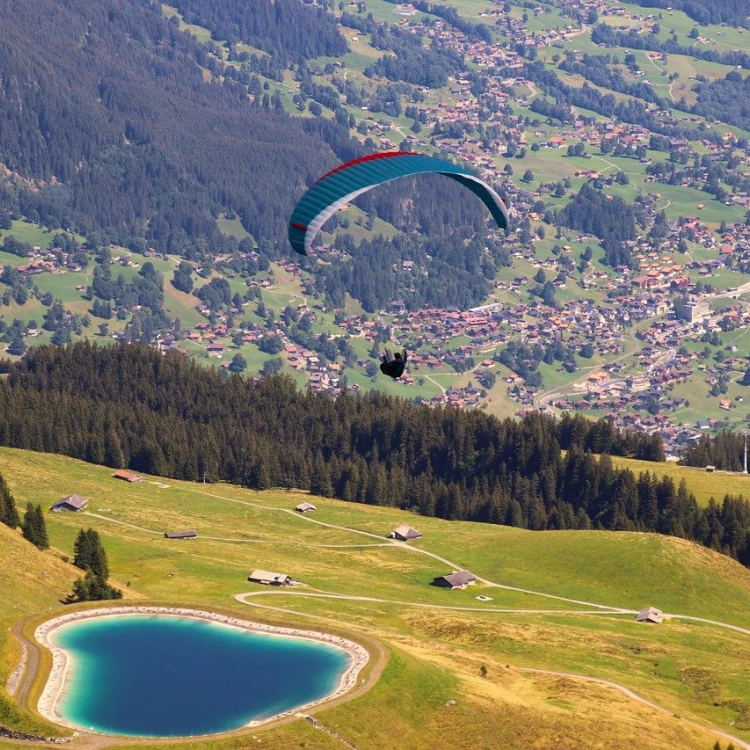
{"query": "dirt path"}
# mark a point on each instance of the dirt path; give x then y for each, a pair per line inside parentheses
(434, 382)
(243, 541)
(21, 694)
(608, 163)
(404, 545)
(531, 670)
(318, 724)
(242, 598)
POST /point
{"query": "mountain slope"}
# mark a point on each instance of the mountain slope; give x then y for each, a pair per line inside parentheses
(30, 581)
(437, 651)
(107, 109)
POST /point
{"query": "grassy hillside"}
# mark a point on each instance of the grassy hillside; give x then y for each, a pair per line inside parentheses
(438, 640)
(702, 484)
(30, 581)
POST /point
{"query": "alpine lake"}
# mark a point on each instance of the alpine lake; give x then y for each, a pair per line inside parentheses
(174, 676)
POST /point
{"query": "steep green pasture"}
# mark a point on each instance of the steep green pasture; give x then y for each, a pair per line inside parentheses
(27, 231)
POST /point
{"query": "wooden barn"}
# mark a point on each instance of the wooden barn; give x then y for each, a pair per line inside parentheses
(268, 578)
(305, 508)
(405, 533)
(72, 503)
(650, 614)
(127, 476)
(187, 534)
(456, 580)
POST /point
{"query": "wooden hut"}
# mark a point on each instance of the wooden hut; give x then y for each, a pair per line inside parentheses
(456, 580)
(405, 533)
(187, 534)
(72, 503)
(268, 578)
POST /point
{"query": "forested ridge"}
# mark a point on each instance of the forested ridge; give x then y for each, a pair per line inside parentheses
(605, 35)
(104, 106)
(725, 450)
(608, 217)
(287, 29)
(130, 406)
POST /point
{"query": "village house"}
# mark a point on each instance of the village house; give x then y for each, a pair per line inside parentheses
(72, 503)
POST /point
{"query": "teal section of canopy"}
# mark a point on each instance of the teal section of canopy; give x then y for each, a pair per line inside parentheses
(344, 183)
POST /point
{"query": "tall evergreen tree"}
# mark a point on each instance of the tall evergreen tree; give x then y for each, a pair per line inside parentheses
(90, 554)
(8, 511)
(33, 526)
(92, 588)
(320, 479)
(40, 525)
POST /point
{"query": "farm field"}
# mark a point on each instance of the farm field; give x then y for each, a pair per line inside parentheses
(692, 668)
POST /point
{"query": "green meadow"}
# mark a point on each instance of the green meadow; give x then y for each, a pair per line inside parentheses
(436, 641)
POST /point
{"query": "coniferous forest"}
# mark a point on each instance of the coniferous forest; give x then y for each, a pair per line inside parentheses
(107, 114)
(129, 406)
(275, 26)
(725, 451)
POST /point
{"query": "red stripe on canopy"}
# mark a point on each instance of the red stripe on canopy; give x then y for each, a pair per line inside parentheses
(369, 157)
(301, 227)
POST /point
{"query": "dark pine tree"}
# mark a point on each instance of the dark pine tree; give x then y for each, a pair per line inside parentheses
(8, 511)
(33, 527)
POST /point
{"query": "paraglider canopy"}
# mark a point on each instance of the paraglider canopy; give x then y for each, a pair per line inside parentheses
(343, 184)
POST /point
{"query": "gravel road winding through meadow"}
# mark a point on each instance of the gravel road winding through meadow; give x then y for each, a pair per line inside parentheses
(32, 658)
(242, 598)
(603, 608)
(403, 545)
(739, 743)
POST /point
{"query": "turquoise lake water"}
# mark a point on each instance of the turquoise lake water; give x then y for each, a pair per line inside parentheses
(167, 676)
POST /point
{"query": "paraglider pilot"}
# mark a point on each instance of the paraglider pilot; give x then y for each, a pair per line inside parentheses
(393, 366)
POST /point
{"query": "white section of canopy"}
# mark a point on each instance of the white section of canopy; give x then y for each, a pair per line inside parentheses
(317, 223)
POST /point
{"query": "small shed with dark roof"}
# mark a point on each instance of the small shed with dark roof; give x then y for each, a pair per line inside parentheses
(650, 614)
(72, 503)
(405, 533)
(127, 476)
(187, 534)
(456, 580)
